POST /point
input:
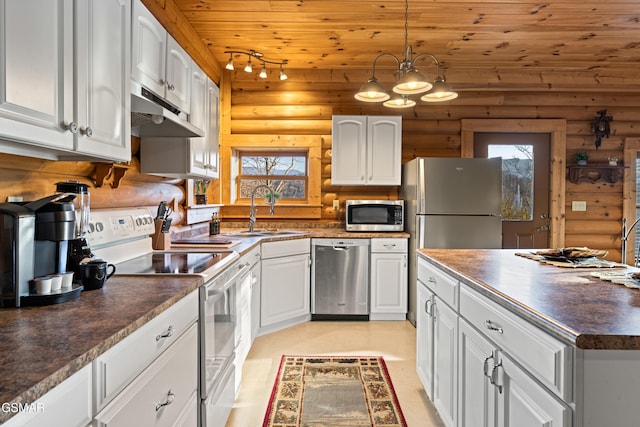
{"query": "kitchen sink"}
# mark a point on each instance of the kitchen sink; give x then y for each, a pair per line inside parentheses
(266, 232)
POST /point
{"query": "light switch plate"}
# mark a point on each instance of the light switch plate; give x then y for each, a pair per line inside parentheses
(579, 205)
(336, 205)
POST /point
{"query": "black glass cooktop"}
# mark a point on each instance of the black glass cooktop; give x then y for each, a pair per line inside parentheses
(171, 263)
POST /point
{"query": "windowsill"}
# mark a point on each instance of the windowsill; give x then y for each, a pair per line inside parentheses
(282, 211)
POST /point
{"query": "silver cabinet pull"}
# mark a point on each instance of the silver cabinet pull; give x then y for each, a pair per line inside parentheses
(494, 376)
(427, 307)
(72, 127)
(432, 279)
(486, 368)
(169, 401)
(166, 334)
(88, 131)
(489, 325)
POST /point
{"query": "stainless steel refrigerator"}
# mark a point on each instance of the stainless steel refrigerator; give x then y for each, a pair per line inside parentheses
(450, 203)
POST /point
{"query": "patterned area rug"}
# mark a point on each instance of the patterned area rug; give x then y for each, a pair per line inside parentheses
(333, 391)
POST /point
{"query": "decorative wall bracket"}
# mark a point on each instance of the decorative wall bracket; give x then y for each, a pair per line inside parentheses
(595, 173)
(106, 170)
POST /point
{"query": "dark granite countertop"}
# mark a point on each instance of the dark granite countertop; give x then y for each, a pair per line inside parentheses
(567, 302)
(42, 346)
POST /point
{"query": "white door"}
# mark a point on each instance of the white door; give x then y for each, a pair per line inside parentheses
(178, 76)
(445, 369)
(102, 79)
(148, 49)
(36, 72)
(198, 118)
(476, 393)
(524, 403)
(389, 283)
(285, 289)
(349, 150)
(384, 150)
(424, 338)
(213, 132)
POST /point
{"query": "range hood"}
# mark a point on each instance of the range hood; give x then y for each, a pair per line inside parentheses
(154, 116)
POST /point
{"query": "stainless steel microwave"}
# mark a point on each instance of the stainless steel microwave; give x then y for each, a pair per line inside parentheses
(374, 215)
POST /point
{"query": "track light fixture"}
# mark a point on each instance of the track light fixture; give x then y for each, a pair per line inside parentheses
(252, 54)
(410, 82)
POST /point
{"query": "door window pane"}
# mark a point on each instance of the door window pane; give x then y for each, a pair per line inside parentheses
(517, 180)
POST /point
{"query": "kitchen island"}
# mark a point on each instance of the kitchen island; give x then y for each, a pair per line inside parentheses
(550, 345)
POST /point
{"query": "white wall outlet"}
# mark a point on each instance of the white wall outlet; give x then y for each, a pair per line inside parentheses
(579, 205)
(336, 205)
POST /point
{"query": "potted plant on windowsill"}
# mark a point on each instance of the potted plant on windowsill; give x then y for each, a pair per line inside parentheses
(581, 158)
(201, 186)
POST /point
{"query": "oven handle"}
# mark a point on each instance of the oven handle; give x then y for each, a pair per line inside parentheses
(214, 290)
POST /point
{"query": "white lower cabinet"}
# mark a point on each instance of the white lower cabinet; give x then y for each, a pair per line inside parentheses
(69, 404)
(285, 284)
(483, 366)
(388, 279)
(164, 394)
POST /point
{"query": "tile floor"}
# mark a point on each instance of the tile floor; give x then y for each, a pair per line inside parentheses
(394, 340)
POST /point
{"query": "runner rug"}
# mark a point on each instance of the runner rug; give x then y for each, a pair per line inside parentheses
(333, 391)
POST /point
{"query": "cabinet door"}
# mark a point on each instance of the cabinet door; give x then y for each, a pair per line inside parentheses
(213, 132)
(198, 118)
(445, 369)
(524, 402)
(388, 285)
(36, 72)
(148, 49)
(349, 150)
(178, 76)
(384, 150)
(476, 394)
(285, 289)
(424, 338)
(102, 78)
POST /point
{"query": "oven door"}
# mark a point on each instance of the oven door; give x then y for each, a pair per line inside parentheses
(218, 322)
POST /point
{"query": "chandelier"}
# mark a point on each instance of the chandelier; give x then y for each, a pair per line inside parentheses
(410, 80)
(260, 58)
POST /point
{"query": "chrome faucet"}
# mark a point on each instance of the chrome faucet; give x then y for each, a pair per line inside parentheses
(625, 236)
(253, 209)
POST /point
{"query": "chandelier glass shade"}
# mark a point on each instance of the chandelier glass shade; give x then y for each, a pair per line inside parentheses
(252, 54)
(410, 80)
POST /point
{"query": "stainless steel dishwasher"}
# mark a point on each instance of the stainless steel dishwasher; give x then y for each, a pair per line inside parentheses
(340, 279)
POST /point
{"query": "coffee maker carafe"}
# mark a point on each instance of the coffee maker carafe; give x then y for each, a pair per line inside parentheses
(79, 249)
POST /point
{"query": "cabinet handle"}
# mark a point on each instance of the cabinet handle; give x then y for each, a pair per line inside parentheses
(72, 127)
(389, 245)
(88, 131)
(486, 368)
(169, 401)
(432, 279)
(171, 87)
(494, 376)
(427, 307)
(489, 325)
(434, 307)
(166, 334)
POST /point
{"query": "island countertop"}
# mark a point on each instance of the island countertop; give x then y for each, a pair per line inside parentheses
(569, 303)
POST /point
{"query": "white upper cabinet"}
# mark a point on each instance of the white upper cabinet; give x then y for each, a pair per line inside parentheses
(41, 42)
(158, 62)
(366, 150)
(103, 52)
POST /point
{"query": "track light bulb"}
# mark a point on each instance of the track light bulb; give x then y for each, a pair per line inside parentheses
(263, 72)
(248, 68)
(283, 75)
(229, 65)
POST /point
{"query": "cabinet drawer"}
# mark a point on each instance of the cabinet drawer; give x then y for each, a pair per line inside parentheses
(440, 283)
(285, 248)
(388, 245)
(163, 393)
(115, 368)
(549, 360)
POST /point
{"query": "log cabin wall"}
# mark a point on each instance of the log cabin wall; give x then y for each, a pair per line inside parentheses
(260, 109)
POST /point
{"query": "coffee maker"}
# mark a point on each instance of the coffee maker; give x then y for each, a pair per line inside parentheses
(34, 241)
(79, 251)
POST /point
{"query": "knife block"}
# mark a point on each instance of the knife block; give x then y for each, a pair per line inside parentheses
(160, 240)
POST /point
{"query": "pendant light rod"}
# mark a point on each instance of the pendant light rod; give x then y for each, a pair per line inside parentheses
(410, 80)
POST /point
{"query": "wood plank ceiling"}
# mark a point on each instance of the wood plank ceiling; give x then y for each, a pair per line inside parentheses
(583, 37)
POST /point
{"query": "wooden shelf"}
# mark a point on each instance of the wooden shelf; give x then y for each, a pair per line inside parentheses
(595, 173)
(105, 170)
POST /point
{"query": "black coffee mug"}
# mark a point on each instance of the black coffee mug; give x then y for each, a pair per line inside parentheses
(94, 274)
